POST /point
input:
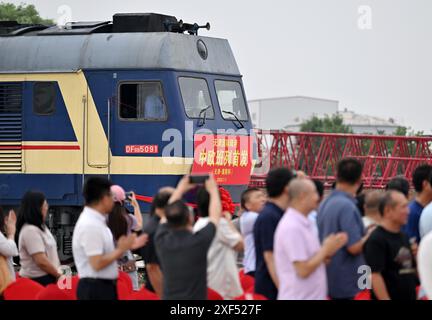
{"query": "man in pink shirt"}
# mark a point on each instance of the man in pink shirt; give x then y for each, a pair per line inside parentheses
(299, 258)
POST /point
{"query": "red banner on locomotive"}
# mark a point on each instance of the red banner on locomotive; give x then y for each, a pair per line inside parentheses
(228, 158)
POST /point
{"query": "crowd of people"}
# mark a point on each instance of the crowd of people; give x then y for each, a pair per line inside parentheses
(296, 242)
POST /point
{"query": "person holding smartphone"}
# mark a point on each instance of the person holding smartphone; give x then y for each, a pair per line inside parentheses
(181, 252)
(123, 223)
(222, 271)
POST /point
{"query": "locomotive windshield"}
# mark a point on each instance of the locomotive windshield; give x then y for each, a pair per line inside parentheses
(231, 100)
(196, 97)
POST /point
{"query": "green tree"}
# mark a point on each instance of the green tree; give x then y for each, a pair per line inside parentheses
(23, 13)
(401, 131)
(333, 124)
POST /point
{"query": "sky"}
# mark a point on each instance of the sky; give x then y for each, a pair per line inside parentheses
(373, 56)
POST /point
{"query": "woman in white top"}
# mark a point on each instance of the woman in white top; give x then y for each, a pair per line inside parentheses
(37, 247)
(8, 247)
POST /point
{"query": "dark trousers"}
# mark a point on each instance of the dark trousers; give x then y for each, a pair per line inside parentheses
(251, 273)
(97, 289)
(342, 299)
(148, 284)
(45, 280)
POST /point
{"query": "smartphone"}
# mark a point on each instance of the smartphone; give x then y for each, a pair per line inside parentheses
(128, 196)
(198, 179)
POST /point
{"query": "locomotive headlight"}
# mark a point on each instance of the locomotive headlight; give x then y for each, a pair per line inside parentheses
(202, 49)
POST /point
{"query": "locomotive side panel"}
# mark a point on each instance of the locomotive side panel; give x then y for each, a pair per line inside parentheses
(50, 150)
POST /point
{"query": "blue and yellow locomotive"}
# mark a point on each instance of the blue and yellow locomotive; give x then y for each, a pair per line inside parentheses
(109, 98)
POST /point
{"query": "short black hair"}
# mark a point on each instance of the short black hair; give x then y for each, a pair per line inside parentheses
(203, 202)
(421, 173)
(276, 181)
(160, 201)
(95, 189)
(319, 186)
(386, 200)
(399, 184)
(245, 196)
(349, 171)
(177, 214)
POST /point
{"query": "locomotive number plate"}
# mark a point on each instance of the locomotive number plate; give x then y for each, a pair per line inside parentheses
(144, 148)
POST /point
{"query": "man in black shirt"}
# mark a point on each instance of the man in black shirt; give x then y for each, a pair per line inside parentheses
(389, 254)
(182, 253)
(148, 252)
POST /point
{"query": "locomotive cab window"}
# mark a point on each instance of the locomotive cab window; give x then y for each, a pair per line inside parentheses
(196, 98)
(142, 101)
(44, 96)
(231, 100)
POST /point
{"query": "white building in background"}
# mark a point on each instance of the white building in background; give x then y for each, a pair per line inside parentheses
(290, 112)
(277, 113)
(360, 123)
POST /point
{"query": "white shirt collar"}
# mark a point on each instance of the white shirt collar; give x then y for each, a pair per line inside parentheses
(95, 214)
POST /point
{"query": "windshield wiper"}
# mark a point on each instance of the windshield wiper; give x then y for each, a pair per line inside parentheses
(203, 119)
(234, 115)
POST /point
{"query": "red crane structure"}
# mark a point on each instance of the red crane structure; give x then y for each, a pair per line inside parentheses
(317, 154)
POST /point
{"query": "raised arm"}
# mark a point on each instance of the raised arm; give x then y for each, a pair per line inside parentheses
(182, 187)
(215, 206)
(8, 247)
(137, 212)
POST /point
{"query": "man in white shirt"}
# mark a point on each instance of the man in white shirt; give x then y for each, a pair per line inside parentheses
(222, 271)
(93, 245)
(425, 224)
(424, 258)
(252, 201)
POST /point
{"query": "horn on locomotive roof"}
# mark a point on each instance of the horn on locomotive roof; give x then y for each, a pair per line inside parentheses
(121, 23)
(153, 22)
(181, 27)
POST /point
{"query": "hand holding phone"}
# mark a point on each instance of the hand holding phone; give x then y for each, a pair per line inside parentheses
(198, 179)
(129, 196)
